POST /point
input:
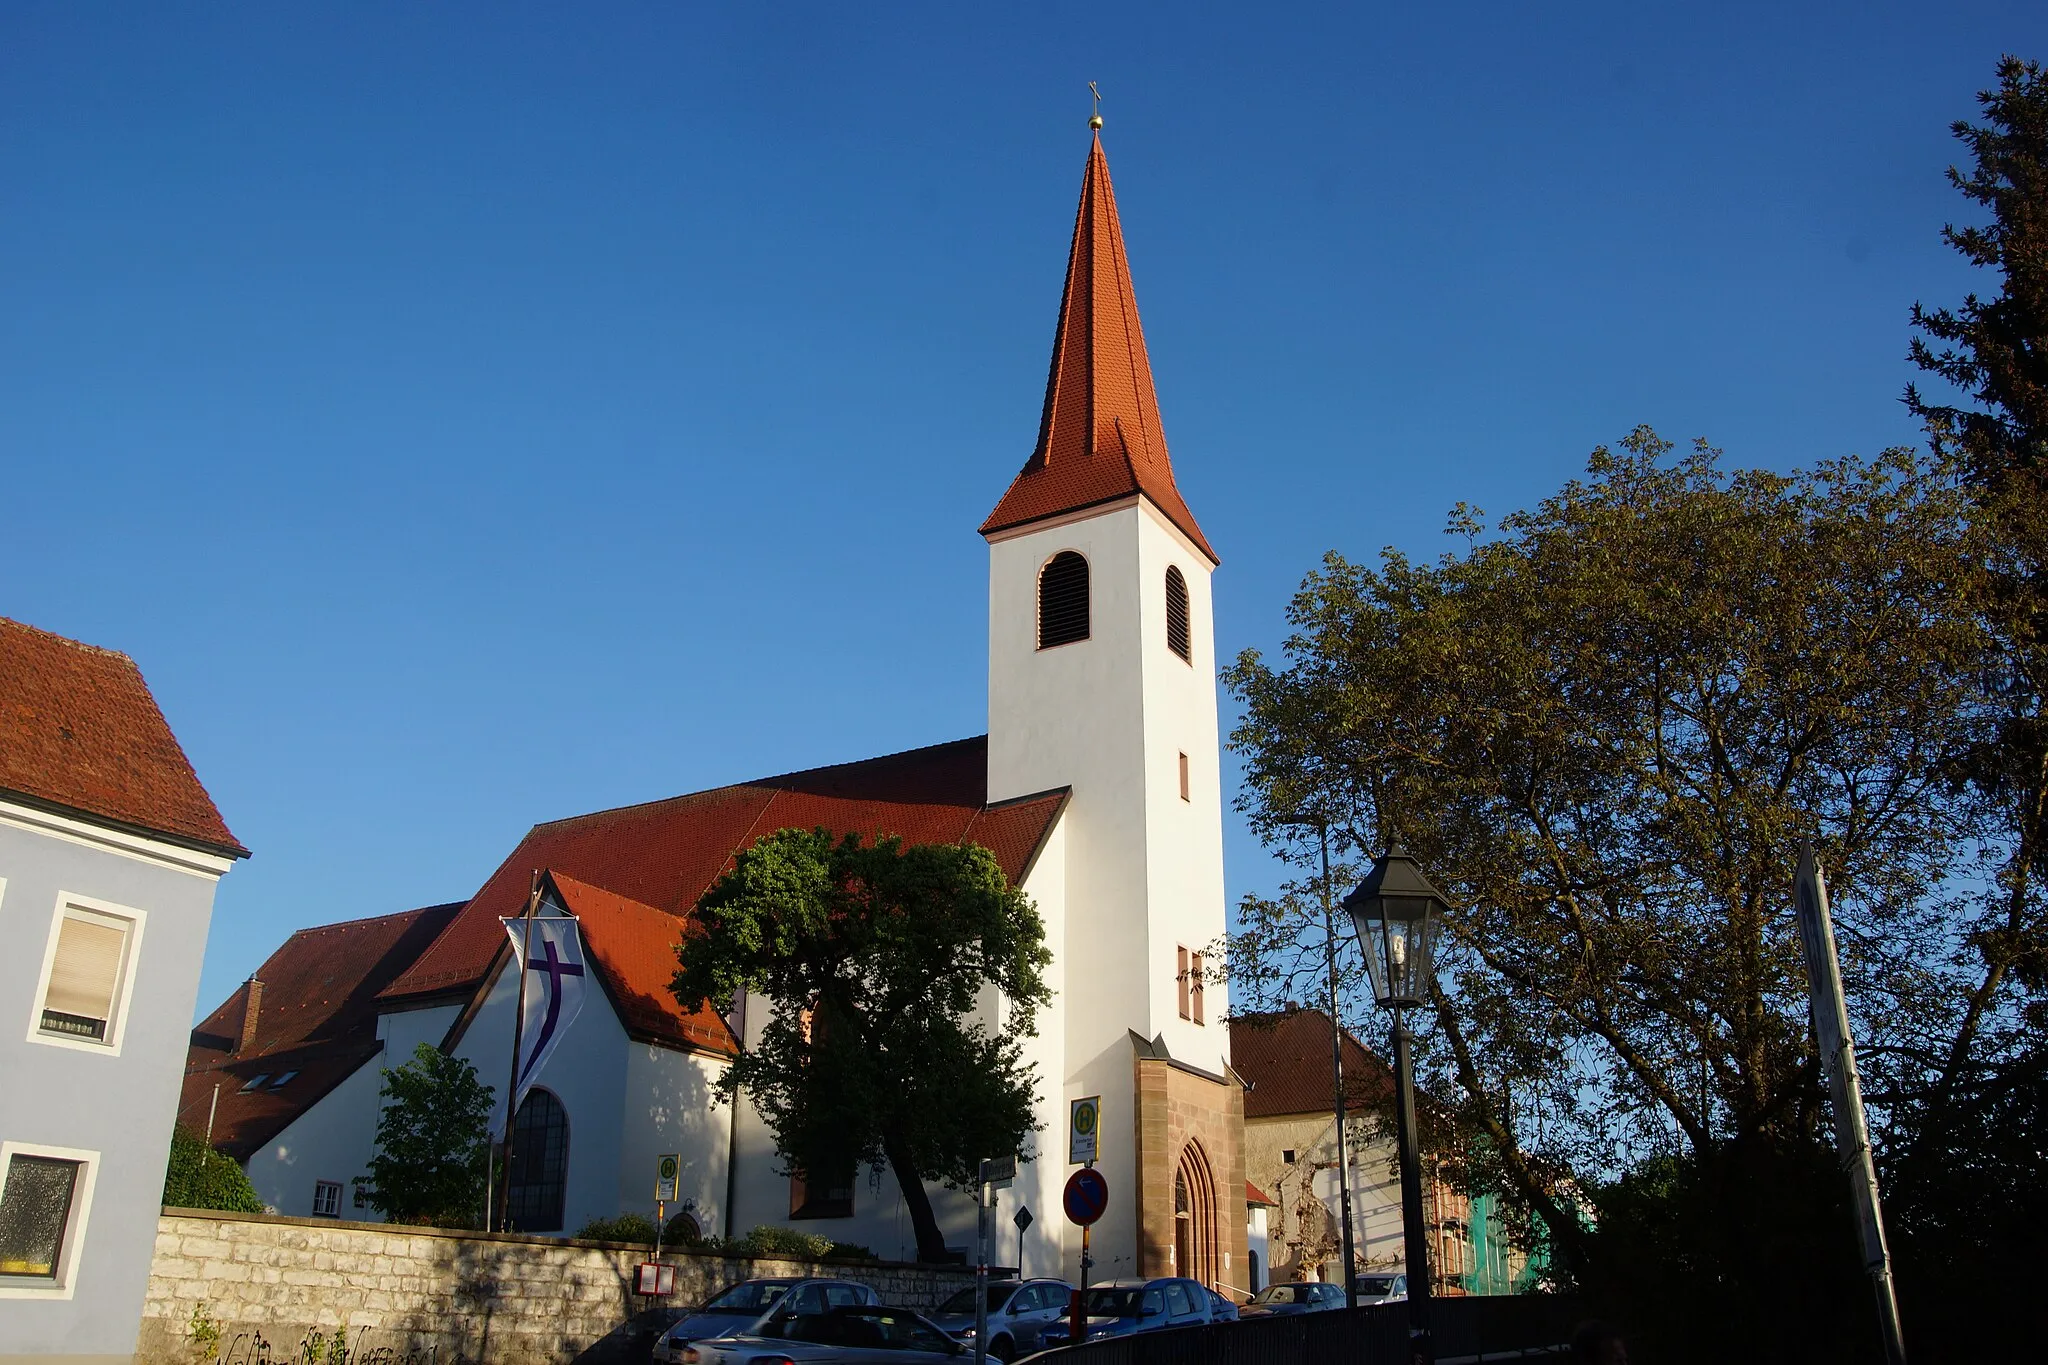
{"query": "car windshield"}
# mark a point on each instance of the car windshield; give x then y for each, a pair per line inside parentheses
(749, 1296)
(963, 1302)
(1114, 1303)
(1282, 1293)
(1374, 1284)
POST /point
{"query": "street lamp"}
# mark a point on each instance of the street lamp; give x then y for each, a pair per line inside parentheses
(1395, 912)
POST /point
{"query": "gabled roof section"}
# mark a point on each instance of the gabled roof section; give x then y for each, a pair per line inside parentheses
(1100, 438)
(1285, 1058)
(316, 1017)
(666, 854)
(633, 947)
(80, 732)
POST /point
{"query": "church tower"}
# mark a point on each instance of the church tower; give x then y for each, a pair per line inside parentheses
(1102, 679)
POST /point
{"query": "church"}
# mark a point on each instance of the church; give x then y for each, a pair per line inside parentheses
(1097, 787)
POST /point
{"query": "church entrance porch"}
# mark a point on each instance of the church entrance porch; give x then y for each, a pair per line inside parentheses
(1191, 1183)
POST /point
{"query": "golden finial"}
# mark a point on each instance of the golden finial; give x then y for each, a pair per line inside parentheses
(1095, 121)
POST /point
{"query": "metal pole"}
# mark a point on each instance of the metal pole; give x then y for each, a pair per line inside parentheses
(1337, 1068)
(210, 1110)
(1420, 1349)
(981, 1221)
(518, 1020)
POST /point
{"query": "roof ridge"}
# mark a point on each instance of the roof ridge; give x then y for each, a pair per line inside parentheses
(373, 919)
(69, 642)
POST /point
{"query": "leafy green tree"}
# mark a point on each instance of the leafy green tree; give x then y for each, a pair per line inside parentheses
(198, 1177)
(433, 1143)
(873, 961)
(1606, 729)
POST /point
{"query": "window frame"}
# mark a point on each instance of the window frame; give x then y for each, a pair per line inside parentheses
(124, 988)
(1186, 785)
(1181, 980)
(1200, 1016)
(323, 1186)
(65, 1282)
(1087, 601)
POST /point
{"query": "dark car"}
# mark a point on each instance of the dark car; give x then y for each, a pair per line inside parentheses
(1122, 1307)
(753, 1306)
(1018, 1314)
(864, 1335)
(1285, 1300)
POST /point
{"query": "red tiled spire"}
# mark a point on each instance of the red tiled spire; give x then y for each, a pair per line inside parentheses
(1100, 438)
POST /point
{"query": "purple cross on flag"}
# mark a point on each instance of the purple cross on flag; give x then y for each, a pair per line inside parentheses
(555, 977)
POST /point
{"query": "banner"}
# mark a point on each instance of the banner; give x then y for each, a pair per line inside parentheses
(555, 978)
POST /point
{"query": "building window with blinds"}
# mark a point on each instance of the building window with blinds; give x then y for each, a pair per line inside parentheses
(1062, 600)
(43, 1194)
(90, 960)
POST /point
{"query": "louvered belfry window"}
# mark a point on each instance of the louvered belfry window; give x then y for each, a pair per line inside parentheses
(85, 976)
(1177, 614)
(1063, 600)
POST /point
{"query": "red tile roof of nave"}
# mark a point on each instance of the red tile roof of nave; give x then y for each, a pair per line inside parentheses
(1099, 438)
(1285, 1058)
(80, 731)
(317, 1016)
(666, 854)
(634, 949)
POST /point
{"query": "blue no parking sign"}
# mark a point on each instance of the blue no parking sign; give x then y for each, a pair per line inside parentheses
(1086, 1197)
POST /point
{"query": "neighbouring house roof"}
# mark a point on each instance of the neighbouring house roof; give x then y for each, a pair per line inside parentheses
(80, 732)
(1285, 1058)
(666, 854)
(316, 1015)
(1254, 1197)
(1099, 438)
(633, 947)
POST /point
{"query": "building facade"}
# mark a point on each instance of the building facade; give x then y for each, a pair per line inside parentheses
(110, 852)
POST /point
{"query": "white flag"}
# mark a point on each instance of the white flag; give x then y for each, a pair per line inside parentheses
(555, 978)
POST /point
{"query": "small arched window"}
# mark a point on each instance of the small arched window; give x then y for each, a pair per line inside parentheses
(539, 1177)
(1062, 600)
(1177, 615)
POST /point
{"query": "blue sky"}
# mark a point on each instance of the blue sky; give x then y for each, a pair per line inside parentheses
(471, 416)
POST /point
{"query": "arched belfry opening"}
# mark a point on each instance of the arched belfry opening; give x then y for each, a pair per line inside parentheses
(1195, 1251)
(1063, 600)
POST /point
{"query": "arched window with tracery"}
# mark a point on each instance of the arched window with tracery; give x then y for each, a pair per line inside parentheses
(539, 1178)
(1178, 637)
(1062, 600)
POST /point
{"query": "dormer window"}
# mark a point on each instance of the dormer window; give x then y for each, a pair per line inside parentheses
(1177, 637)
(1063, 600)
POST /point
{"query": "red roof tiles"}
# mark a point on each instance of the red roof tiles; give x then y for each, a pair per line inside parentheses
(1285, 1058)
(80, 731)
(633, 947)
(316, 1016)
(666, 854)
(1100, 437)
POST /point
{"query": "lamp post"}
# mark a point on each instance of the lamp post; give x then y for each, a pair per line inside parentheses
(1395, 912)
(1337, 1072)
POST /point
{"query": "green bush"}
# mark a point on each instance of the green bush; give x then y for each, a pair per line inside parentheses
(197, 1177)
(627, 1227)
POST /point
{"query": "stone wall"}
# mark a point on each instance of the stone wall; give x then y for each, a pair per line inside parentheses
(431, 1297)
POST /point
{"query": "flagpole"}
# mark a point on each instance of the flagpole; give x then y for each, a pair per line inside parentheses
(518, 1020)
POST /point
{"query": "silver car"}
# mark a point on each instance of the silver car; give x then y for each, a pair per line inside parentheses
(865, 1335)
(1383, 1288)
(753, 1307)
(1018, 1313)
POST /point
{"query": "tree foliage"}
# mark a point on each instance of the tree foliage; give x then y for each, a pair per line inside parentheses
(433, 1143)
(900, 982)
(1606, 730)
(198, 1177)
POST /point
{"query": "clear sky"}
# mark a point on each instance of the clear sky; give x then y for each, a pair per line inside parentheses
(474, 415)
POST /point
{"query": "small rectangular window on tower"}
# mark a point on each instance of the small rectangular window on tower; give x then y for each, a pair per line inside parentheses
(1181, 981)
(1184, 778)
(1195, 986)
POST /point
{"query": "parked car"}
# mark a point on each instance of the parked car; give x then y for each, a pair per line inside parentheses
(1018, 1314)
(753, 1306)
(1221, 1309)
(1122, 1307)
(1384, 1288)
(866, 1334)
(1286, 1300)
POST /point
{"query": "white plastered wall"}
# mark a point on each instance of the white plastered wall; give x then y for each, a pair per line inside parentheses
(672, 1107)
(1109, 717)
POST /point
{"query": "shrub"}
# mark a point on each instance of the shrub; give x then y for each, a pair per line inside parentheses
(626, 1227)
(198, 1177)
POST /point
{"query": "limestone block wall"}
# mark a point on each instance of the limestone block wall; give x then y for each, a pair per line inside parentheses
(268, 1283)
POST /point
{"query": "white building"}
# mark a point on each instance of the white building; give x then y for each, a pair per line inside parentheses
(110, 852)
(1097, 787)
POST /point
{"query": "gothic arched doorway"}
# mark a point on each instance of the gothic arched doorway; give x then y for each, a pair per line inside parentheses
(1194, 1216)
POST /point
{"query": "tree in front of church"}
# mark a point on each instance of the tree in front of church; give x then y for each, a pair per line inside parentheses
(198, 1177)
(872, 959)
(433, 1143)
